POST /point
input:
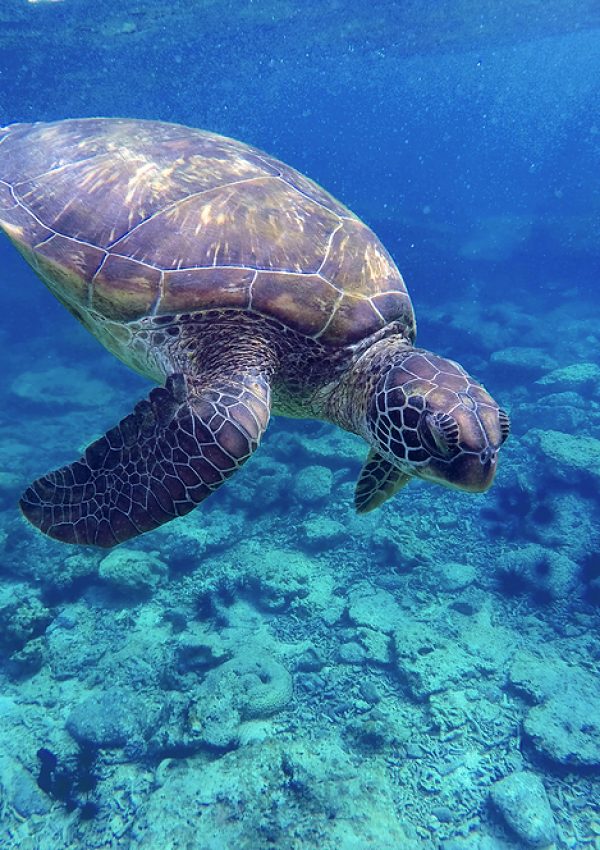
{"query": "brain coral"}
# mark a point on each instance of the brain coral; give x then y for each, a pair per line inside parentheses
(261, 686)
(241, 689)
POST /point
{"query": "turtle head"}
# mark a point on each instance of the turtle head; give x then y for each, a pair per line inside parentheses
(432, 420)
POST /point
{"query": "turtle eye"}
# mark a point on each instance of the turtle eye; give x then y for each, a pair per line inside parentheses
(416, 401)
(439, 432)
(504, 424)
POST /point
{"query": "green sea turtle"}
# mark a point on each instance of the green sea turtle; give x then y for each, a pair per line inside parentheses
(243, 288)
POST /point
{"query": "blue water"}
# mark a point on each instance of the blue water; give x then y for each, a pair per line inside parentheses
(467, 135)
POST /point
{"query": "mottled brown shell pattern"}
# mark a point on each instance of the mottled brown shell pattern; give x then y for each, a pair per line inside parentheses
(126, 219)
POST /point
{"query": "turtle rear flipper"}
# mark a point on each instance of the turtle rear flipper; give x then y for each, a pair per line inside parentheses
(158, 463)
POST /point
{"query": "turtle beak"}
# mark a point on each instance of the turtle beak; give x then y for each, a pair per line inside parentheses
(473, 472)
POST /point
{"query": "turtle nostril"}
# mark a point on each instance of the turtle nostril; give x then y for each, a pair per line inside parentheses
(488, 455)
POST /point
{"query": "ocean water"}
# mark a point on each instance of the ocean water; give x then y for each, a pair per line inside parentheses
(274, 671)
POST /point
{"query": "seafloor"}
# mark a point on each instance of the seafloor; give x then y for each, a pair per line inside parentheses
(274, 671)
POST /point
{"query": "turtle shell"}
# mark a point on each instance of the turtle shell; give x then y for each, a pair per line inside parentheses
(127, 219)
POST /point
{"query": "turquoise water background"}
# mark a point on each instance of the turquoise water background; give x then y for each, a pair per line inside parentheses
(274, 671)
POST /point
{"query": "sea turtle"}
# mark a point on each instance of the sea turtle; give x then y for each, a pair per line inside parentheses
(242, 287)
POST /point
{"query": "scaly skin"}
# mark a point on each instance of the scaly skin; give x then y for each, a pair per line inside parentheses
(422, 413)
(158, 463)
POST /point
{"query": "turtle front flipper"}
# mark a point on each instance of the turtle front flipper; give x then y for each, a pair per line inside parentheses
(378, 481)
(157, 464)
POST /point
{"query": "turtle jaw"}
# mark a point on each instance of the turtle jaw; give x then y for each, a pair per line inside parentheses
(469, 471)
